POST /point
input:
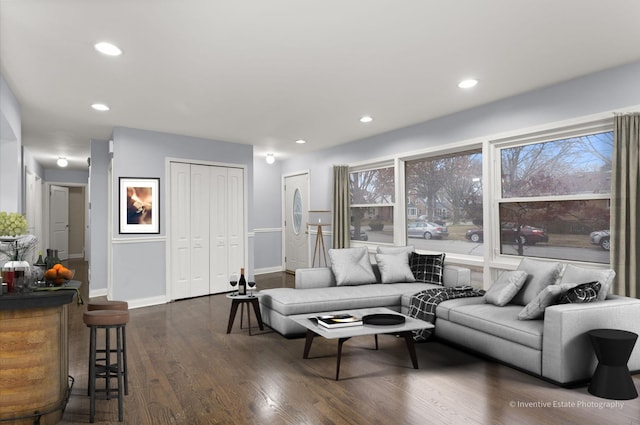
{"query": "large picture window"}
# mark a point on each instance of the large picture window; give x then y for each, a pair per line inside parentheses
(444, 201)
(372, 202)
(555, 198)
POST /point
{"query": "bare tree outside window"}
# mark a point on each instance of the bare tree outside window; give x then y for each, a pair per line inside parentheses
(372, 199)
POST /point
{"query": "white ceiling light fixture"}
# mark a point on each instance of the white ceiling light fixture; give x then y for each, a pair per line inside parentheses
(468, 83)
(100, 107)
(62, 162)
(108, 49)
(365, 119)
(271, 158)
(301, 141)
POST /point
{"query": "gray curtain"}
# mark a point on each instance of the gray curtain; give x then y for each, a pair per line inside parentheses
(625, 185)
(341, 212)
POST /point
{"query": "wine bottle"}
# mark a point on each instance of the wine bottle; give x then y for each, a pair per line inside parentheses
(242, 283)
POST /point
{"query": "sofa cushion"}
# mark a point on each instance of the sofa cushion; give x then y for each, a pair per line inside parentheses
(288, 301)
(499, 321)
(427, 268)
(394, 268)
(549, 296)
(577, 274)
(583, 293)
(351, 266)
(445, 307)
(541, 274)
(505, 287)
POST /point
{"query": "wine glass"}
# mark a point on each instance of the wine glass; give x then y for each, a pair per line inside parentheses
(233, 281)
(251, 285)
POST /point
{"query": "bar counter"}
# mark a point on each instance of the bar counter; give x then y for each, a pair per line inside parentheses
(34, 355)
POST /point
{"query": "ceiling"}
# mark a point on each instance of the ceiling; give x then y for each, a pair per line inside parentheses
(269, 72)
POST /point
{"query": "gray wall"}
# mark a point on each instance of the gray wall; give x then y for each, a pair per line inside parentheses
(139, 260)
(592, 94)
(97, 251)
(11, 175)
(60, 175)
(268, 212)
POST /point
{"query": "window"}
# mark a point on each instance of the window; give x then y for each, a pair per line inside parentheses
(554, 194)
(372, 202)
(449, 191)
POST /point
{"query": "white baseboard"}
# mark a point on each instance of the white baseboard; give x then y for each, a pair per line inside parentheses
(266, 270)
(146, 302)
(102, 292)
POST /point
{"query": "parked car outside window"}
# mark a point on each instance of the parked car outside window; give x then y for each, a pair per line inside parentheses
(529, 235)
(427, 230)
(602, 238)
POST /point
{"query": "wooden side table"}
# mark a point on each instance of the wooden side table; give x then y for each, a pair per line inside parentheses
(611, 378)
(241, 300)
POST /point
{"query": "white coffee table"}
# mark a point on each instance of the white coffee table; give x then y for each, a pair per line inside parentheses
(343, 334)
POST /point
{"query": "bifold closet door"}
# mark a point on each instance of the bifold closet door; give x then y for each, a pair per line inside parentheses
(199, 235)
(180, 230)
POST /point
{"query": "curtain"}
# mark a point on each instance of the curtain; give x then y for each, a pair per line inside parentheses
(341, 211)
(625, 185)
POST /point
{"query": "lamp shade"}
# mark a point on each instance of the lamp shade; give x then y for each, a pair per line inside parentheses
(319, 217)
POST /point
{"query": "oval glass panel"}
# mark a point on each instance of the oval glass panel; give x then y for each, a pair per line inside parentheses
(297, 212)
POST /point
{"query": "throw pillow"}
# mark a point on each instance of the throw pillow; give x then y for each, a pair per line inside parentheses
(541, 274)
(550, 295)
(583, 293)
(427, 268)
(505, 287)
(351, 266)
(584, 274)
(394, 268)
(395, 249)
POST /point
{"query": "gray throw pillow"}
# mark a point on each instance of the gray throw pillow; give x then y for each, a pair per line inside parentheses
(585, 274)
(394, 268)
(541, 274)
(505, 287)
(550, 295)
(351, 266)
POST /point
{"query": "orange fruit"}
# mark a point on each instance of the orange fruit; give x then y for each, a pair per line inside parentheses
(51, 274)
(58, 266)
(65, 273)
(58, 281)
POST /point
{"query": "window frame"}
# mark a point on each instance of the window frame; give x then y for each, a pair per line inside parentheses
(494, 199)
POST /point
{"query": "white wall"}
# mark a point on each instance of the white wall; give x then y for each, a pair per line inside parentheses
(11, 173)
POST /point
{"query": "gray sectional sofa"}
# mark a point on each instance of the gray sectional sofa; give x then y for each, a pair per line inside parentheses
(554, 347)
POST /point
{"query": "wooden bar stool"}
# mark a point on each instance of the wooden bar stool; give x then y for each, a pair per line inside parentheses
(106, 319)
(120, 306)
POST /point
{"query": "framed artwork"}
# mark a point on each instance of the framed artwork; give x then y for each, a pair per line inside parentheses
(139, 205)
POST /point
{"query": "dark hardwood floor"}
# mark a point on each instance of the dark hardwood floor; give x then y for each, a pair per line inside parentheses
(185, 369)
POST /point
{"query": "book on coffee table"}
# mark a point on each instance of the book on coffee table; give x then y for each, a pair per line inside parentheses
(339, 320)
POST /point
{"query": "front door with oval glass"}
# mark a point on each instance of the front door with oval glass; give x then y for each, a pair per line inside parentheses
(296, 193)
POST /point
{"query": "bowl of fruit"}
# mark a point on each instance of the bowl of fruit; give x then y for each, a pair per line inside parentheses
(58, 275)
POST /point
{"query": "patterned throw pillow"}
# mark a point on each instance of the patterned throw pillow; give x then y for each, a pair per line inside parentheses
(583, 293)
(427, 268)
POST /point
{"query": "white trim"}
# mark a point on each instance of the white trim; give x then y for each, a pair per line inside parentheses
(265, 270)
(268, 230)
(101, 292)
(150, 239)
(146, 302)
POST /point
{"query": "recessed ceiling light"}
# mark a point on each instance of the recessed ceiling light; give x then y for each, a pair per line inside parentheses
(62, 162)
(366, 119)
(108, 48)
(100, 107)
(467, 84)
(301, 142)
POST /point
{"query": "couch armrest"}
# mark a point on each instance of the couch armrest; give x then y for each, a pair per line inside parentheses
(456, 276)
(316, 277)
(567, 354)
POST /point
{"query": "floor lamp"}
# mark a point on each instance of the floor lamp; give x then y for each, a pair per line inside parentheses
(319, 219)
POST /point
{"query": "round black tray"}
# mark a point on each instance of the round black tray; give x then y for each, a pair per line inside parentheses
(383, 319)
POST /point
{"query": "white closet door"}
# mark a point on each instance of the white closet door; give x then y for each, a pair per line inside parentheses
(219, 270)
(235, 220)
(180, 230)
(199, 230)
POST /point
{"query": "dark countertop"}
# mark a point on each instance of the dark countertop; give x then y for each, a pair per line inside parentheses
(43, 298)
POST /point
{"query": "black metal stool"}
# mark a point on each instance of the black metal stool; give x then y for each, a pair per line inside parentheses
(106, 319)
(120, 306)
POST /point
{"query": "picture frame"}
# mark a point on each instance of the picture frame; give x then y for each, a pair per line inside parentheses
(139, 207)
